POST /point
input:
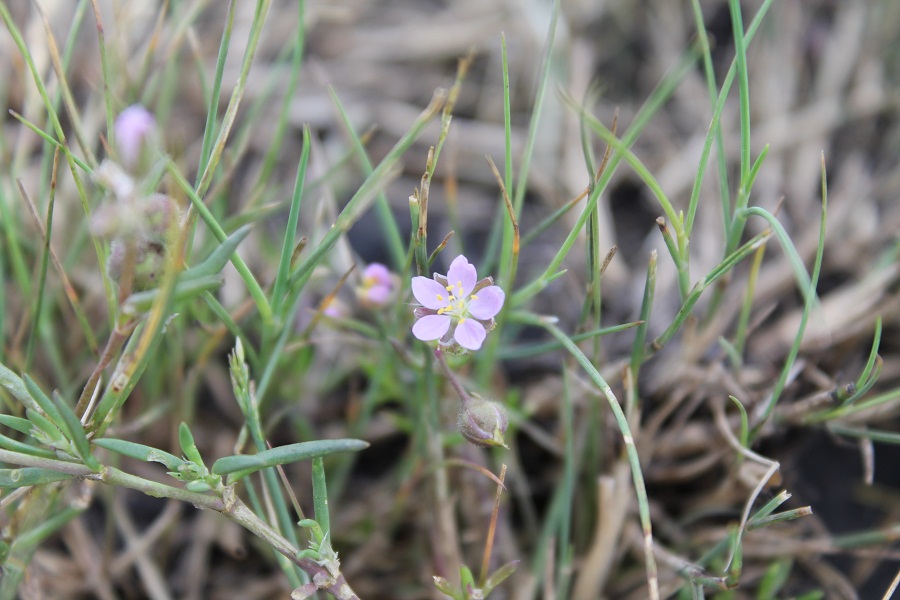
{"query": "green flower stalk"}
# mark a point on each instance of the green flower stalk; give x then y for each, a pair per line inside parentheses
(482, 422)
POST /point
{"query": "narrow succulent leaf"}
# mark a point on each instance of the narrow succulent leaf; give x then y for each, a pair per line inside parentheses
(46, 426)
(15, 386)
(140, 452)
(49, 409)
(445, 587)
(216, 261)
(185, 289)
(18, 423)
(771, 505)
(23, 448)
(241, 465)
(499, 576)
(28, 476)
(186, 439)
(75, 431)
(466, 579)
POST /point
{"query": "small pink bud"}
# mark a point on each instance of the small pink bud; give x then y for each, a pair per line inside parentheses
(133, 129)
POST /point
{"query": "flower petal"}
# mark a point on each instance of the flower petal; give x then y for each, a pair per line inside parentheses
(131, 130)
(429, 293)
(463, 273)
(431, 327)
(469, 334)
(487, 303)
(377, 294)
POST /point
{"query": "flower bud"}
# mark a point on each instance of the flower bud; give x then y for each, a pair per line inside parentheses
(133, 129)
(483, 422)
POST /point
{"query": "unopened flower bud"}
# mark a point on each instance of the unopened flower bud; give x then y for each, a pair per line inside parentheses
(483, 422)
(133, 129)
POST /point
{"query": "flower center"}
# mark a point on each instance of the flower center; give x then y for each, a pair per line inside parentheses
(456, 304)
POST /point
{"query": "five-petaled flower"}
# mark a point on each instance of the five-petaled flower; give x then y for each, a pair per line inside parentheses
(456, 308)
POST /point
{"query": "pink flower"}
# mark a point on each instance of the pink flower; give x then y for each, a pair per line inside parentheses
(378, 286)
(132, 129)
(456, 308)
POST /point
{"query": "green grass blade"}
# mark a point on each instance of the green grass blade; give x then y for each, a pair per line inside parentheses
(640, 336)
(208, 168)
(367, 192)
(740, 46)
(212, 105)
(383, 209)
(290, 231)
(810, 298)
(659, 96)
(630, 449)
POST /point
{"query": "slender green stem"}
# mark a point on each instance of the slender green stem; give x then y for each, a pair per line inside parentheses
(536, 111)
